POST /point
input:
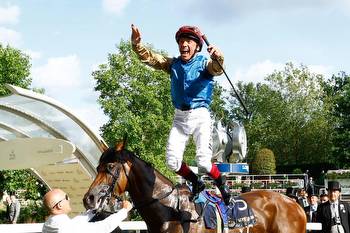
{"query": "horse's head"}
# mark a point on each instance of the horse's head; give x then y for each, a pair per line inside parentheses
(111, 179)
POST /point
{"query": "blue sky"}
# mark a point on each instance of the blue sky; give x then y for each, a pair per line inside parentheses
(67, 39)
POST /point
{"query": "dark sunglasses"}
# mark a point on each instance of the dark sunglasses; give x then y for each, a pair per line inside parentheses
(65, 198)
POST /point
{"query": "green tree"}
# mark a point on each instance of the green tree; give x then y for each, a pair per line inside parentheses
(338, 92)
(290, 116)
(14, 68)
(218, 105)
(264, 162)
(22, 180)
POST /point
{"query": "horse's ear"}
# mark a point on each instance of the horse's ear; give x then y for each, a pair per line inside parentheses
(119, 146)
(103, 145)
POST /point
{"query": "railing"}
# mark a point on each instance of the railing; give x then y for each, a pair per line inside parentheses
(277, 182)
(313, 226)
(135, 226)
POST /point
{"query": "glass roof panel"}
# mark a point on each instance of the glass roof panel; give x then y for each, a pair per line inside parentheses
(52, 117)
(23, 125)
(7, 134)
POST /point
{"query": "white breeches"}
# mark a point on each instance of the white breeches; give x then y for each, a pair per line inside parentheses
(196, 122)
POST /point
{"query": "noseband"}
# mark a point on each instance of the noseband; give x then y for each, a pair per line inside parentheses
(115, 177)
(110, 191)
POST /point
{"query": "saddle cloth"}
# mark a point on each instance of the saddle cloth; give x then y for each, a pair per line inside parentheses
(239, 215)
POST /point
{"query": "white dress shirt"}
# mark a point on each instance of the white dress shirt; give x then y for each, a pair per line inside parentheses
(63, 224)
(338, 228)
(313, 210)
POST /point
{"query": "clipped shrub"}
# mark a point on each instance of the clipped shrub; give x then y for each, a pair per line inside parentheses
(338, 175)
(297, 171)
(264, 162)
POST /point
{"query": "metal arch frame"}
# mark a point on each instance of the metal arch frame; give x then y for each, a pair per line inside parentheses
(51, 130)
(29, 94)
(16, 132)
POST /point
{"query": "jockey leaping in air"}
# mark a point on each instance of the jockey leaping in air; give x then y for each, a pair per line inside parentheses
(191, 77)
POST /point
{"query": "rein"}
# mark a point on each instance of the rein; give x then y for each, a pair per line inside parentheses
(154, 200)
(139, 205)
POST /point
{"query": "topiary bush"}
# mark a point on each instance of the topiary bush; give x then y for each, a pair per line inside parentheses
(297, 171)
(264, 162)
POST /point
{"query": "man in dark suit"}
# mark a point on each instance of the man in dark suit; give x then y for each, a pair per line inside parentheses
(302, 199)
(334, 214)
(290, 192)
(323, 197)
(312, 208)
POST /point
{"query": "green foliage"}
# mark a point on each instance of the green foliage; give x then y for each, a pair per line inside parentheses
(264, 163)
(338, 93)
(190, 153)
(3, 216)
(33, 212)
(338, 175)
(218, 105)
(14, 68)
(290, 116)
(297, 171)
(16, 180)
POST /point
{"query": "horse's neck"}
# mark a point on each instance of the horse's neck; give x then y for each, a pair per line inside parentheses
(149, 191)
(147, 182)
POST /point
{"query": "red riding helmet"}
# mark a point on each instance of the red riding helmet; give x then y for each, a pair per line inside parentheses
(191, 32)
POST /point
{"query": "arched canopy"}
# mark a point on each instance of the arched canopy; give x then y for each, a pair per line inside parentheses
(26, 114)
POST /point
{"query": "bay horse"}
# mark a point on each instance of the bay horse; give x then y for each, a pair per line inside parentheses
(167, 208)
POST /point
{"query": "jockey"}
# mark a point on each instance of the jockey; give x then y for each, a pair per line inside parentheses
(191, 77)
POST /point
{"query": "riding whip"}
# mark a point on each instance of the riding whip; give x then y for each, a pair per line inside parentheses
(228, 79)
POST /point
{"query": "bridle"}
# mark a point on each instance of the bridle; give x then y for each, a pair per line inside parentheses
(109, 193)
(115, 176)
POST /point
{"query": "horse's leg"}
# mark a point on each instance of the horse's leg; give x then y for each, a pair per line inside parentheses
(172, 227)
(199, 227)
(176, 227)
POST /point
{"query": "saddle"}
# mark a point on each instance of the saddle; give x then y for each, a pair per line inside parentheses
(238, 215)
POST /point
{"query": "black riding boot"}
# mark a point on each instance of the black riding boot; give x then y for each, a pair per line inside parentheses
(197, 184)
(224, 189)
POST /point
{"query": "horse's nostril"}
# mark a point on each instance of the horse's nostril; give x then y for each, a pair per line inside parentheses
(91, 198)
(88, 201)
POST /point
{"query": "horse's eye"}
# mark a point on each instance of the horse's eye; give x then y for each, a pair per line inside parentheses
(110, 166)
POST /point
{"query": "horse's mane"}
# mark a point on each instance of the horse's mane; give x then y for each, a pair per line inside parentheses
(111, 156)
